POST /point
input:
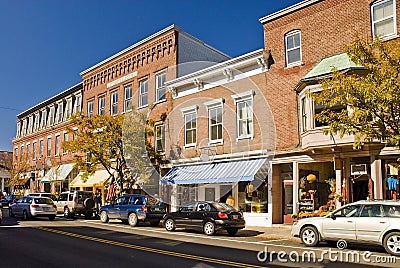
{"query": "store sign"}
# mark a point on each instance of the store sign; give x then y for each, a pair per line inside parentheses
(359, 169)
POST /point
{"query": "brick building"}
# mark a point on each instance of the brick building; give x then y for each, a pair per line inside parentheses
(39, 162)
(5, 170)
(306, 40)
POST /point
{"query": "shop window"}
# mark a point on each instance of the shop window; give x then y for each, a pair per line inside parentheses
(391, 184)
(253, 199)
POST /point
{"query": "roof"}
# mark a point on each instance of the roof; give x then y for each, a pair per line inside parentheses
(53, 99)
(147, 39)
(287, 10)
(323, 68)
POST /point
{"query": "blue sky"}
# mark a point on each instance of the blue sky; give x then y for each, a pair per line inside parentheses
(45, 44)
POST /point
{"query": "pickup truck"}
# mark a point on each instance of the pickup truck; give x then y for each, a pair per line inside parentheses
(133, 208)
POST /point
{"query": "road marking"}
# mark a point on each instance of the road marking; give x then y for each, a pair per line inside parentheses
(153, 250)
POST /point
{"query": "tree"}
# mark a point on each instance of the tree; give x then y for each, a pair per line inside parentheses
(98, 141)
(372, 97)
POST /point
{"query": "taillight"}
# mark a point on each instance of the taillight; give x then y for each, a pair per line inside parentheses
(222, 215)
(34, 206)
(144, 208)
(75, 199)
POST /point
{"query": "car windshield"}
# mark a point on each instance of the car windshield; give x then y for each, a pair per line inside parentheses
(43, 200)
(223, 206)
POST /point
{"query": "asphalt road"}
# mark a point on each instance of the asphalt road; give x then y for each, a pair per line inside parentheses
(82, 243)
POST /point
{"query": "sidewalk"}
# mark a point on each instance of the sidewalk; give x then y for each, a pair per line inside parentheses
(277, 231)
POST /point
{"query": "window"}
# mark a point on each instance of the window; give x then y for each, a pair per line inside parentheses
(215, 124)
(90, 108)
(22, 152)
(41, 148)
(371, 211)
(293, 48)
(244, 114)
(102, 105)
(190, 128)
(28, 151)
(52, 115)
(143, 91)
(16, 153)
(66, 138)
(60, 112)
(128, 99)
(44, 118)
(37, 121)
(160, 138)
(303, 108)
(319, 108)
(348, 211)
(49, 146)
(160, 86)
(68, 109)
(383, 18)
(78, 104)
(114, 102)
(58, 145)
(34, 150)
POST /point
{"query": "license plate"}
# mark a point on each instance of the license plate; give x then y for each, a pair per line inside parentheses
(46, 209)
(235, 217)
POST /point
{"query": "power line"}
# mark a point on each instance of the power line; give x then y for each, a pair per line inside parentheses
(8, 108)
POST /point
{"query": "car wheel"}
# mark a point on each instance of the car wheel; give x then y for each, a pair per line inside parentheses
(132, 219)
(309, 236)
(154, 223)
(10, 213)
(67, 214)
(52, 217)
(209, 228)
(103, 216)
(25, 215)
(232, 231)
(169, 225)
(391, 243)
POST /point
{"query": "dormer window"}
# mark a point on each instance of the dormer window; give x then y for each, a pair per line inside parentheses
(293, 48)
(383, 18)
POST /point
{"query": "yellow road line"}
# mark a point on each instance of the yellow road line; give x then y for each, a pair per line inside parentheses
(153, 250)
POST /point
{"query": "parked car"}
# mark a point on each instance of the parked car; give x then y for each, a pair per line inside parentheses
(207, 217)
(31, 206)
(7, 200)
(1, 215)
(72, 203)
(131, 209)
(43, 194)
(369, 222)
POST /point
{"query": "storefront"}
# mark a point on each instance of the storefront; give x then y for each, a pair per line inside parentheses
(244, 183)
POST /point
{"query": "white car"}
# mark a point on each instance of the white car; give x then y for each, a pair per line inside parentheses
(30, 206)
(369, 222)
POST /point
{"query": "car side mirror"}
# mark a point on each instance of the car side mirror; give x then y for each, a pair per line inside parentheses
(333, 217)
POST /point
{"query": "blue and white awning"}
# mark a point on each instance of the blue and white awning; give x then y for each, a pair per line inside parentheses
(218, 172)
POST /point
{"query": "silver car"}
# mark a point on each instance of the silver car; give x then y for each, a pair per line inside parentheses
(30, 206)
(369, 222)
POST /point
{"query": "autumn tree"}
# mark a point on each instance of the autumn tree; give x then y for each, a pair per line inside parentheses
(372, 96)
(98, 141)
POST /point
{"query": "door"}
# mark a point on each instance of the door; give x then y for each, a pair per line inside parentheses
(17, 208)
(114, 209)
(123, 208)
(342, 224)
(371, 223)
(183, 216)
(62, 202)
(199, 214)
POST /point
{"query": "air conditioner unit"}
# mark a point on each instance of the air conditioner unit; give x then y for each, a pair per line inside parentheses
(358, 169)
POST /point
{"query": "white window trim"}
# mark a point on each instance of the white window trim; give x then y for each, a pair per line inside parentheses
(101, 97)
(217, 103)
(187, 111)
(389, 36)
(248, 95)
(125, 99)
(162, 152)
(55, 144)
(141, 105)
(91, 101)
(112, 102)
(164, 87)
(296, 63)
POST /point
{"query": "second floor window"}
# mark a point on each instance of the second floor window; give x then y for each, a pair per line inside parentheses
(102, 105)
(244, 114)
(143, 92)
(114, 102)
(34, 145)
(160, 138)
(160, 86)
(58, 143)
(90, 108)
(128, 99)
(49, 147)
(293, 48)
(215, 124)
(190, 129)
(383, 18)
(41, 148)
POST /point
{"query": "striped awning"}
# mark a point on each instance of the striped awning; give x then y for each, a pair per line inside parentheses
(57, 174)
(99, 178)
(218, 172)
